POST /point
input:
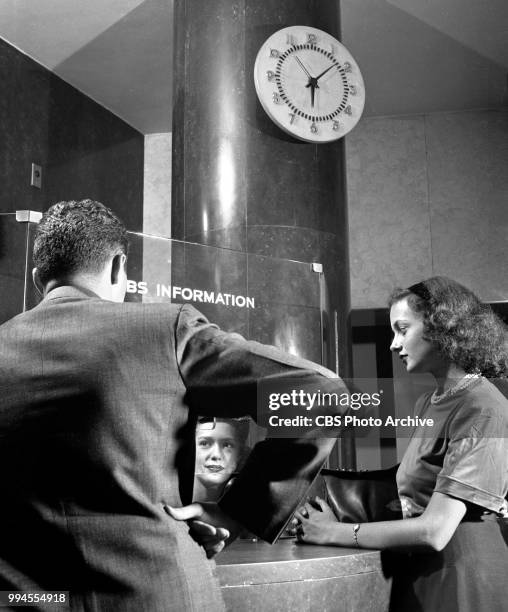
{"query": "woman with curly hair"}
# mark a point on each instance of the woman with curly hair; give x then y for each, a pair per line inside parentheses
(452, 483)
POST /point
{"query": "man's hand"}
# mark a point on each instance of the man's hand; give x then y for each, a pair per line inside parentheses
(209, 525)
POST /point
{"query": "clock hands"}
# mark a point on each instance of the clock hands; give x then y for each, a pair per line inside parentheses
(312, 91)
(313, 81)
(300, 63)
(325, 71)
(313, 84)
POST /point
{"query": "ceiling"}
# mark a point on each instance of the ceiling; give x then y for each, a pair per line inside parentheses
(416, 55)
(118, 52)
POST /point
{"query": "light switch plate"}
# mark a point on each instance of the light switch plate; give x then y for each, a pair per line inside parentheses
(36, 178)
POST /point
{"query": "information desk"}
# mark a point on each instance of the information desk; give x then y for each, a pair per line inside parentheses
(294, 577)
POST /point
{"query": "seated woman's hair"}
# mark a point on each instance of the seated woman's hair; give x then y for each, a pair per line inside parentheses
(466, 331)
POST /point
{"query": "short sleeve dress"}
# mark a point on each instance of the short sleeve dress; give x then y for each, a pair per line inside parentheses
(464, 455)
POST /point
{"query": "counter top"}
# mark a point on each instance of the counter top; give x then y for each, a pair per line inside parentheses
(248, 562)
(256, 577)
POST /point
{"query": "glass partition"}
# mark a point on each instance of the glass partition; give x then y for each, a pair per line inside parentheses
(274, 301)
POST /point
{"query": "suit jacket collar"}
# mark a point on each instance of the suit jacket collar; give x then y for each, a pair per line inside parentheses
(70, 291)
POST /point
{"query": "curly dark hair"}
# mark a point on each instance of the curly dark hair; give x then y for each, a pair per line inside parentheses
(77, 236)
(465, 330)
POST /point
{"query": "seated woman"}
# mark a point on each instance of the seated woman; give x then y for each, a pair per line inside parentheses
(452, 485)
(220, 451)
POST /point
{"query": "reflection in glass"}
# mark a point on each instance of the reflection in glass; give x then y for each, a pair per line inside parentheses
(221, 448)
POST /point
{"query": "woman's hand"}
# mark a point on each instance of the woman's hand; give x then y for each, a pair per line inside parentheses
(315, 525)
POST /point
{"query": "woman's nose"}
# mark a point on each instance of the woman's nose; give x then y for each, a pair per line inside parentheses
(215, 451)
(395, 345)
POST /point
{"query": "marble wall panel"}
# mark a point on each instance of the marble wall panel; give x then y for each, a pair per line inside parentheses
(295, 329)
(25, 86)
(468, 187)
(283, 282)
(157, 185)
(215, 188)
(178, 155)
(221, 271)
(12, 297)
(214, 269)
(209, 119)
(32, 296)
(215, 78)
(335, 260)
(231, 237)
(14, 275)
(389, 225)
(84, 150)
(292, 183)
(428, 195)
(297, 243)
(13, 245)
(287, 312)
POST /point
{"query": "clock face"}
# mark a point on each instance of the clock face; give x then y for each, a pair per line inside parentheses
(309, 84)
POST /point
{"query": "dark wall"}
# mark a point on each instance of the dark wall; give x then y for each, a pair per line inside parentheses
(84, 150)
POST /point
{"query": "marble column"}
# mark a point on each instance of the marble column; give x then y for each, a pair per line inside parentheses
(241, 183)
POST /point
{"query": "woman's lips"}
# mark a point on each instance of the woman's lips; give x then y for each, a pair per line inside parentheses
(214, 468)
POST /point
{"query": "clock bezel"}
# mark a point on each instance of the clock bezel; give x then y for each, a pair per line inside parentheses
(277, 48)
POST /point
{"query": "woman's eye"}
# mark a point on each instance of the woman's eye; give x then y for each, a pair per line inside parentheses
(203, 444)
(229, 445)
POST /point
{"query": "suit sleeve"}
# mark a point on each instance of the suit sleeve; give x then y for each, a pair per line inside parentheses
(221, 372)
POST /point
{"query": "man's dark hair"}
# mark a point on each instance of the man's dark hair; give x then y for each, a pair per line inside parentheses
(77, 236)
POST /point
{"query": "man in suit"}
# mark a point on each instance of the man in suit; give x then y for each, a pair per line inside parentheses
(99, 401)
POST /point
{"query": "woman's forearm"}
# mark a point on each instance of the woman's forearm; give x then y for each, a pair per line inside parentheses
(413, 534)
(430, 531)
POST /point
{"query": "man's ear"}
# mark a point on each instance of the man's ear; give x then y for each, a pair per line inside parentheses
(39, 287)
(117, 266)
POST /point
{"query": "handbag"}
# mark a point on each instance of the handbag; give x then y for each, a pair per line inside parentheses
(363, 497)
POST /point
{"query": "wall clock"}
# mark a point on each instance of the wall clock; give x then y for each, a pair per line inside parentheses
(309, 84)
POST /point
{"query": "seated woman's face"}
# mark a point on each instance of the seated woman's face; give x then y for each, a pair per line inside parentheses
(417, 353)
(217, 453)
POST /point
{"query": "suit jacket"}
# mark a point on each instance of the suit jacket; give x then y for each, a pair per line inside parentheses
(98, 404)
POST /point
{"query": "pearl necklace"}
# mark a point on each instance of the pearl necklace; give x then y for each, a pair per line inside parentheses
(462, 384)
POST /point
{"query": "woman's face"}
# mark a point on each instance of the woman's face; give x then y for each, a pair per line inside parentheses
(418, 354)
(217, 453)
